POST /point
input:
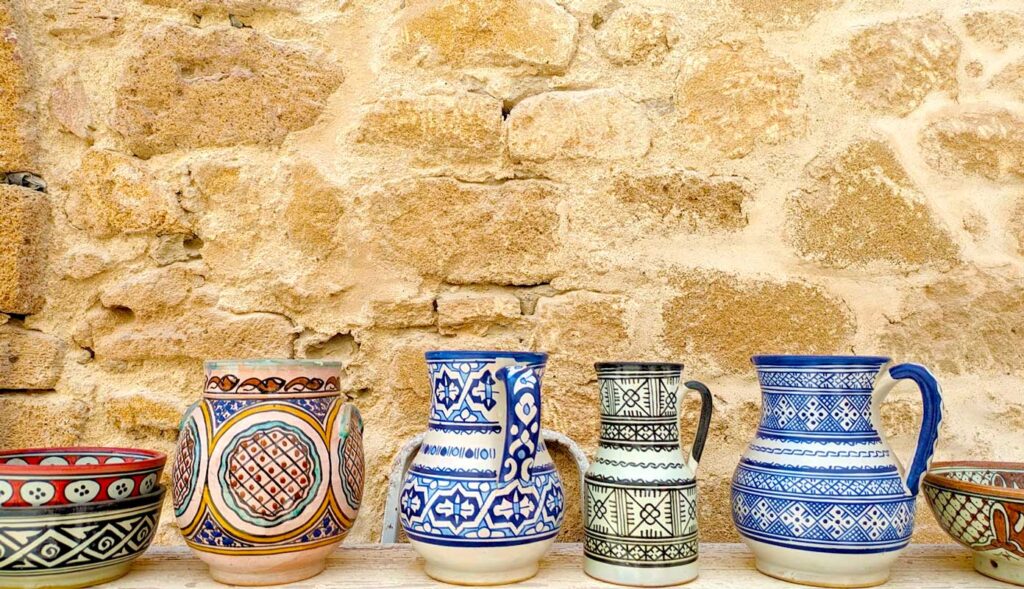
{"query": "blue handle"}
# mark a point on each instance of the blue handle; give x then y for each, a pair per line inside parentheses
(522, 427)
(931, 395)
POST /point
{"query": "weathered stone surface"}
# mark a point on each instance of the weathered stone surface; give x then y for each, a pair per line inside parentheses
(29, 359)
(237, 7)
(687, 199)
(735, 96)
(702, 321)
(894, 66)
(1011, 80)
(860, 208)
(445, 127)
(112, 193)
(84, 21)
(218, 87)
(24, 231)
(314, 213)
(995, 29)
(413, 312)
(591, 124)
(51, 419)
(537, 36)
(968, 323)
(475, 312)
(69, 105)
(151, 291)
(636, 34)
(793, 14)
(17, 132)
(144, 415)
(986, 143)
(469, 233)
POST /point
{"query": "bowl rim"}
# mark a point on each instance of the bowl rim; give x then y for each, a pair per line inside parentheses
(154, 497)
(156, 460)
(936, 479)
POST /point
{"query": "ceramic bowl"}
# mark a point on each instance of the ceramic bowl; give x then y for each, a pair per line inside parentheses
(981, 505)
(44, 477)
(75, 545)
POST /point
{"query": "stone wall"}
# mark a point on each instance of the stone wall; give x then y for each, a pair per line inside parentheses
(365, 180)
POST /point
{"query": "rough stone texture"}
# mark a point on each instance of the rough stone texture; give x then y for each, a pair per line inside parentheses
(894, 66)
(995, 29)
(861, 208)
(600, 179)
(983, 309)
(537, 36)
(635, 34)
(703, 320)
(597, 124)
(112, 193)
(686, 199)
(29, 360)
(218, 87)
(736, 95)
(24, 231)
(17, 133)
(467, 233)
(989, 144)
(462, 127)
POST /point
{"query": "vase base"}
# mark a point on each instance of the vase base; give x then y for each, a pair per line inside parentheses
(281, 577)
(999, 568)
(640, 576)
(70, 580)
(481, 565)
(822, 569)
(267, 569)
(480, 579)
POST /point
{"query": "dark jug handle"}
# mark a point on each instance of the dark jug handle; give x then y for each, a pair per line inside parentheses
(697, 449)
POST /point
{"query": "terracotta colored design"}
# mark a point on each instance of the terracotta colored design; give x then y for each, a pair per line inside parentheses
(981, 505)
(272, 479)
(75, 545)
(76, 476)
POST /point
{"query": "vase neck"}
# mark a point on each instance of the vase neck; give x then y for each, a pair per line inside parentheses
(639, 407)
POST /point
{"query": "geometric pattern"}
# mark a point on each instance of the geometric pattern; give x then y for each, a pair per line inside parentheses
(981, 522)
(843, 379)
(229, 383)
(463, 395)
(352, 466)
(817, 413)
(823, 484)
(522, 427)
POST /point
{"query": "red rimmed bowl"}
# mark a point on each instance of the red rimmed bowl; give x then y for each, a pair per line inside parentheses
(981, 506)
(43, 477)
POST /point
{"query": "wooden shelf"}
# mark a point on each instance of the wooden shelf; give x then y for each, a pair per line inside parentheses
(396, 565)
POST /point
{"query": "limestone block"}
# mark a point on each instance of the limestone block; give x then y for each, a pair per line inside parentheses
(149, 292)
(636, 34)
(995, 29)
(471, 233)
(735, 96)
(1011, 80)
(413, 312)
(591, 124)
(686, 199)
(217, 87)
(17, 132)
(988, 143)
(792, 14)
(537, 36)
(475, 312)
(24, 231)
(111, 193)
(29, 359)
(70, 106)
(968, 323)
(36, 420)
(723, 320)
(462, 127)
(893, 66)
(860, 208)
(84, 21)
(144, 415)
(239, 7)
(314, 212)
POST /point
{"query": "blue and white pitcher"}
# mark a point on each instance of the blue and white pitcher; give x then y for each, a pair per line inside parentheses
(482, 501)
(819, 496)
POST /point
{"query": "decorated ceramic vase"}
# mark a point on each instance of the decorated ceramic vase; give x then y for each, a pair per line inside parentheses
(640, 494)
(482, 501)
(269, 470)
(819, 496)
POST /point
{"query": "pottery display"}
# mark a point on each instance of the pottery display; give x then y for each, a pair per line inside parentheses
(268, 475)
(75, 545)
(640, 493)
(482, 501)
(40, 477)
(981, 505)
(819, 496)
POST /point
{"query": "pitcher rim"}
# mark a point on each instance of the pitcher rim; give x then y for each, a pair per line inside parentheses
(270, 363)
(517, 356)
(817, 360)
(637, 365)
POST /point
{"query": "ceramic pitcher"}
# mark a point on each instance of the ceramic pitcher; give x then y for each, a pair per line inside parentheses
(268, 475)
(482, 501)
(819, 496)
(640, 494)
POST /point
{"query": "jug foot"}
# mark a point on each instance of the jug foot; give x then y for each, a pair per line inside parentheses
(478, 578)
(281, 577)
(999, 568)
(72, 580)
(822, 569)
(640, 576)
(267, 569)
